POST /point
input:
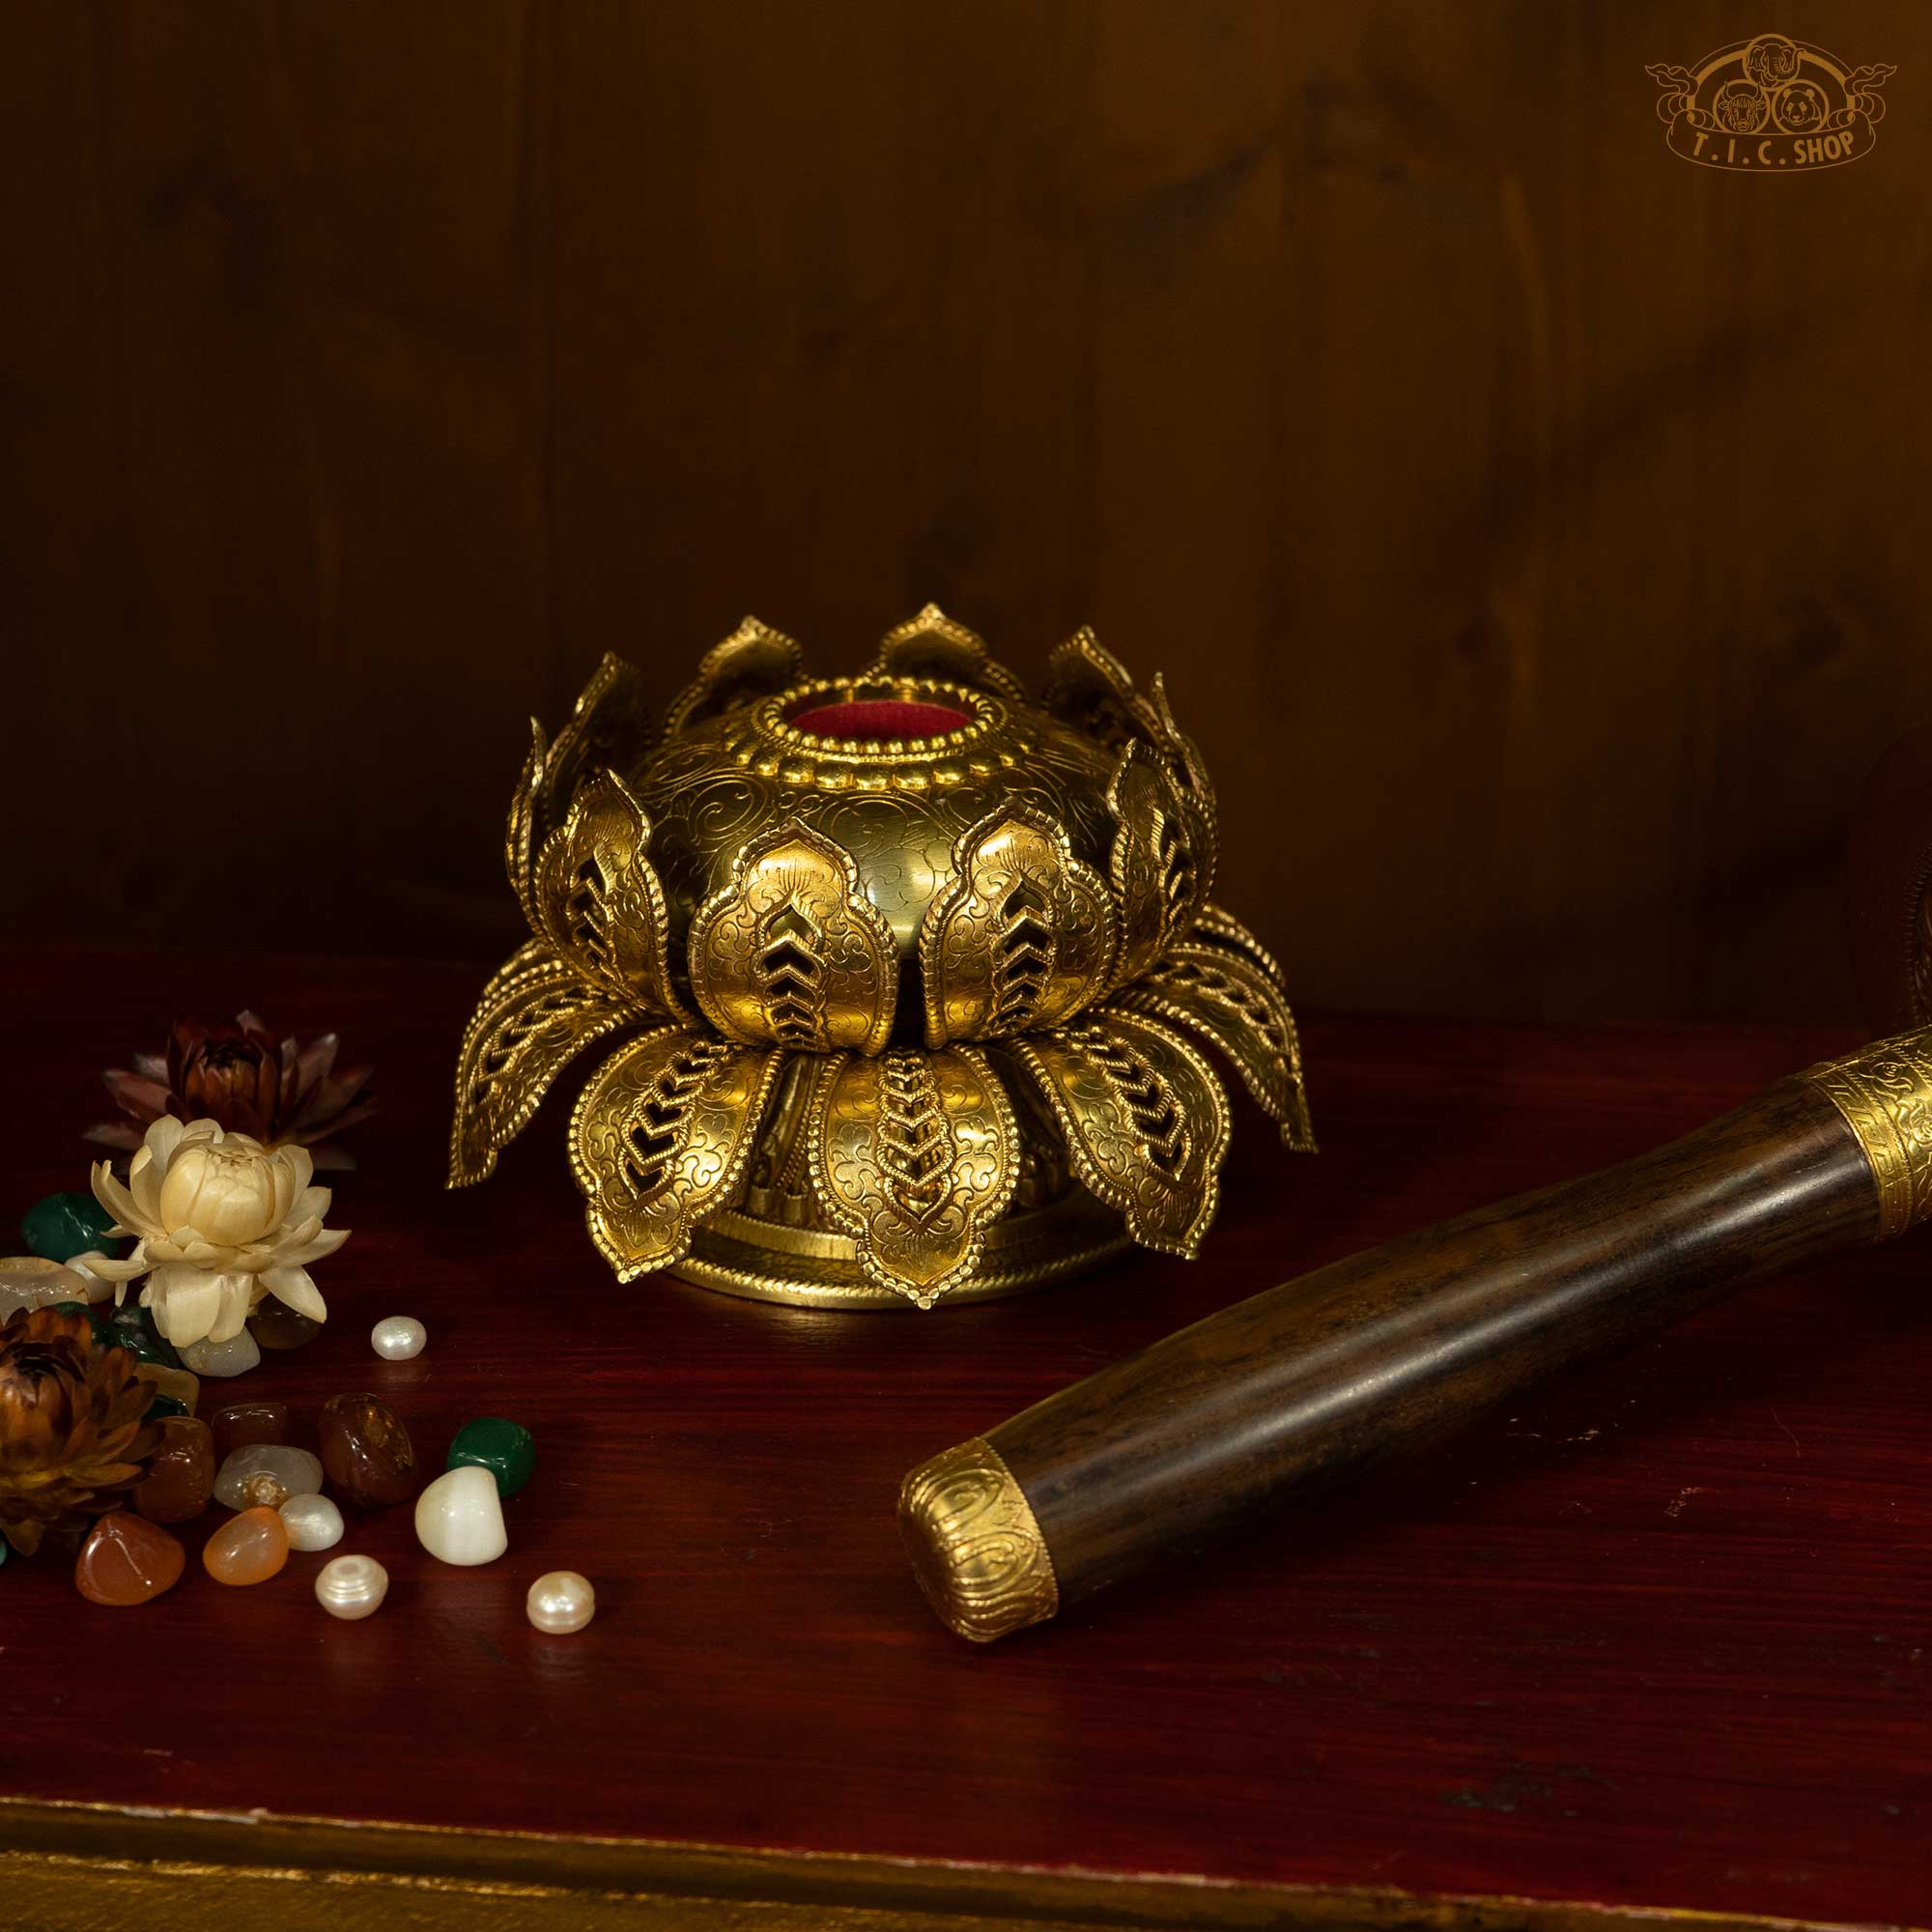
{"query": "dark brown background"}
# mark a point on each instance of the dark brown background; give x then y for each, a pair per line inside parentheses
(1532, 526)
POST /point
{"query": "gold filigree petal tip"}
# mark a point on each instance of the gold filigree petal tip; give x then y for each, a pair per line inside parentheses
(915, 1155)
(661, 1138)
(1089, 686)
(519, 828)
(975, 1546)
(607, 722)
(598, 901)
(534, 1015)
(1146, 1121)
(1162, 862)
(1022, 939)
(1216, 925)
(933, 644)
(792, 949)
(754, 662)
(1884, 1092)
(1229, 1000)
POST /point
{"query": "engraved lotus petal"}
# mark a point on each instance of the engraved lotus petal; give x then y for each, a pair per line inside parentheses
(753, 662)
(1227, 999)
(599, 902)
(914, 1155)
(1022, 939)
(792, 951)
(661, 1138)
(1162, 862)
(536, 1014)
(608, 721)
(933, 644)
(1146, 1121)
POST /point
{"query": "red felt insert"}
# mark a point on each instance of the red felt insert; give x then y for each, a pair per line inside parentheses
(880, 718)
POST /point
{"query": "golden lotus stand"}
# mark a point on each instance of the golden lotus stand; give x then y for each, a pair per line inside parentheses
(915, 971)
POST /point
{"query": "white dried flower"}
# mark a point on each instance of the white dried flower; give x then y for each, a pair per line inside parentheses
(223, 1222)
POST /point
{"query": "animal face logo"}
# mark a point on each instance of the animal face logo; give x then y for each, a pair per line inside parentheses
(1769, 105)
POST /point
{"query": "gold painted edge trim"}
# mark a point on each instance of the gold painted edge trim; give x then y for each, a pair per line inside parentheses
(976, 1544)
(1883, 1092)
(117, 1865)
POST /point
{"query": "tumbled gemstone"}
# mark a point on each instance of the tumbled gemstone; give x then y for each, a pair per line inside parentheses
(244, 1422)
(176, 1384)
(32, 1281)
(235, 1356)
(460, 1518)
(248, 1549)
(366, 1451)
(276, 1325)
(132, 1327)
(181, 1472)
(313, 1523)
(65, 1225)
(296, 1471)
(506, 1449)
(127, 1559)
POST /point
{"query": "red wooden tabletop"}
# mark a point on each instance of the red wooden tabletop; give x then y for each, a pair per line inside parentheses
(1660, 1635)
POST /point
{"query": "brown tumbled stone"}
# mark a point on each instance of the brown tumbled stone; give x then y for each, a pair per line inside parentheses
(181, 1472)
(276, 1325)
(126, 1560)
(242, 1423)
(366, 1451)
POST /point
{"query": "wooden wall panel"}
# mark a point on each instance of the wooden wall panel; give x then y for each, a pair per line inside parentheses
(1533, 527)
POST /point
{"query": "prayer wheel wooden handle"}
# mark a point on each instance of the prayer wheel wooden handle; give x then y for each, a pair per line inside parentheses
(1284, 1395)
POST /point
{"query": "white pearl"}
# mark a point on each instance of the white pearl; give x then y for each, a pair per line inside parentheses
(561, 1602)
(460, 1518)
(350, 1587)
(313, 1523)
(234, 1357)
(398, 1338)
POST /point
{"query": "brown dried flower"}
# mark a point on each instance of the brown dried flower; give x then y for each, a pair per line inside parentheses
(240, 1077)
(71, 1433)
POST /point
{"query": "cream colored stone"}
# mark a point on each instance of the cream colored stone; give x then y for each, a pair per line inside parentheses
(460, 1518)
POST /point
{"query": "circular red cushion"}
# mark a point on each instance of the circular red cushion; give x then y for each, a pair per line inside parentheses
(879, 718)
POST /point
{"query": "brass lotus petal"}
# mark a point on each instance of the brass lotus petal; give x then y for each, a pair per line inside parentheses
(1089, 686)
(933, 644)
(520, 829)
(1228, 1000)
(598, 900)
(1022, 939)
(792, 951)
(609, 718)
(753, 662)
(536, 1013)
(915, 1155)
(1216, 925)
(1146, 1121)
(1163, 864)
(661, 1138)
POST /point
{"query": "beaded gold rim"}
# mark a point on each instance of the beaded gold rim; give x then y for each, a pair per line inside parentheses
(772, 718)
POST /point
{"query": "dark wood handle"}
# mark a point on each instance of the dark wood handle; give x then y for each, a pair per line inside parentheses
(1283, 1396)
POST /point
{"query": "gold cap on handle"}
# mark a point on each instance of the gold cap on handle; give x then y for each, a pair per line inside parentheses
(975, 1545)
(1884, 1092)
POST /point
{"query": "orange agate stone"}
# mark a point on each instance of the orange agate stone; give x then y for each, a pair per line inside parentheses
(127, 1559)
(249, 1547)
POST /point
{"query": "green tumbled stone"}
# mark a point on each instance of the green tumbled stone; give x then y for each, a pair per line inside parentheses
(506, 1449)
(166, 1405)
(65, 1225)
(132, 1327)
